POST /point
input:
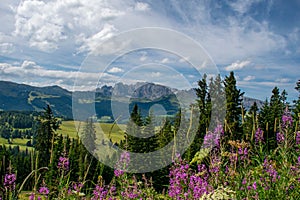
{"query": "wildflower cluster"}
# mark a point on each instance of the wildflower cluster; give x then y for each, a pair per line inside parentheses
(132, 191)
(10, 181)
(212, 139)
(43, 193)
(297, 138)
(280, 138)
(63, 163)
(187, 184)
(99, 193)
(287, 119)
(271, 173)
(77, 187)
(122, 164)
(259, 137)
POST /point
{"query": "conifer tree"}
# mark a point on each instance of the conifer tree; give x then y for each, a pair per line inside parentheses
(250, 125)
(165, 134)
(270, 116)
(233, 108)
(264, 118)
(133, 131)
(150, 140)
(216, 103)
(276, 111)
(74, 153)
(202, 94)
(88, 137)
(46, 137)
(296, 109)
(52, 173)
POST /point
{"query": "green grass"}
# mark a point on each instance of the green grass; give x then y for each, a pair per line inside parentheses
(16, 142)
(113, 132)
(68, 128)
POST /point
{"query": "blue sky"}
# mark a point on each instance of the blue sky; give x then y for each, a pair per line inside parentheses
(46, 42)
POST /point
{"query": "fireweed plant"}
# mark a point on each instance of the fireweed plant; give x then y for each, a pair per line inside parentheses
(229, 169)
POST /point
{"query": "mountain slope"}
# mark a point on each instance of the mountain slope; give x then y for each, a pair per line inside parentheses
(21, 97)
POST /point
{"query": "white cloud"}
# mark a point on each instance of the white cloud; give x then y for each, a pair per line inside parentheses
(249, 78)
(140, 6)
(143, 58)
(237, 65)
(30, 65)
(91, 44)
(46, 24)
(155, 74)
(283, 80)
(165, 61)
(242, 6)
(295, 35)
(6, 48)
(182, 60)
(115, 70)
(30, 72)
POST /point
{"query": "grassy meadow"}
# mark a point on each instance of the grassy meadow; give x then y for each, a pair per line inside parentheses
(68, 128)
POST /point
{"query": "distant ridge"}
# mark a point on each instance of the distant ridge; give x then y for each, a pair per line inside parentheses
(22, 97)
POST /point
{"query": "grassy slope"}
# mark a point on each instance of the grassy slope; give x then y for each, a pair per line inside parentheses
(68, 128)
(16, 142)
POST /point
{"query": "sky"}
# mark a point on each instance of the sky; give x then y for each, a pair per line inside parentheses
(72, 43)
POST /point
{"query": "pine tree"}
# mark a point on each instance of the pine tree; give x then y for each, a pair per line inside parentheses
(270, 116)
(165, 134)
(88, 137)
(276, 111)
(164, 137)
(74, 153)
(202, 94)
(233, 108)
(133, 131)
(250, 125)
(53, 173)
(180, 133)
(264, 116)
(150, 141)
(46, 137)
(296, 108)
(216, 103)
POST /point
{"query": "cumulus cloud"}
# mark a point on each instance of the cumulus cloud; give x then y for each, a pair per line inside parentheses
(182, 60)
(237, 65)
(283, 80)
(140, 6)
(45, 24)
(144, 56)
(249, 78)
(91, 44)
(30, 72)
(165, 60)
(30, 65)
(6, 48)
(242, 6)
(115, 70)
(155, 74)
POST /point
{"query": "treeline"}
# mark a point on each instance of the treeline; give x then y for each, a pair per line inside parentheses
(49, 148)
(17, 124)
(214, 96)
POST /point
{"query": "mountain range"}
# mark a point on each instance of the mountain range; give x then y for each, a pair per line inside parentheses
(21, 97)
